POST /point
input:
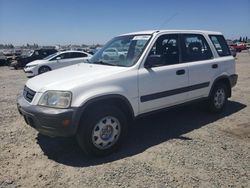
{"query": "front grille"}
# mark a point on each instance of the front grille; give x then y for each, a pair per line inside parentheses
(28, 94)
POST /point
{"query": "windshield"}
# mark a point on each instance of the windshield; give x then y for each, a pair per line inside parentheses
(28, 53)
(50, 56)
(121, 51)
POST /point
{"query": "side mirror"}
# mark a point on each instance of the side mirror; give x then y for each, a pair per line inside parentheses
(58, 58)
(152, 60)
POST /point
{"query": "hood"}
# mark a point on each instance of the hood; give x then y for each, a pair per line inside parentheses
(36, 62)
(69, 77)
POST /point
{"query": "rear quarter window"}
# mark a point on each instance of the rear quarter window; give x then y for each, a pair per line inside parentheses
(220, 45)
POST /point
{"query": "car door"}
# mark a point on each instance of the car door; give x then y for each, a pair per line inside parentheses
(59, 60)
(65, 59)
(164, 84)
(197, 54)
(77, 57)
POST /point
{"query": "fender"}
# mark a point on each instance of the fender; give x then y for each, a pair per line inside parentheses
(220, 78)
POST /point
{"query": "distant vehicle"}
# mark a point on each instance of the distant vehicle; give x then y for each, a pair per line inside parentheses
(239, 46)
(9, 56)
(55, 61)
(248, 45)
(93, 51)
(114, 54)
(3, 59)
(21, 61)
(17, 52)
(233, 51)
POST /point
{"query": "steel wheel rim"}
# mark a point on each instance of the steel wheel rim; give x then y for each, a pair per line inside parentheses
(106, 132)
(219, 98)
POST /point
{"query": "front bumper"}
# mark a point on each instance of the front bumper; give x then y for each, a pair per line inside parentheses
(233, 79)
(29, 72)
(49, 121)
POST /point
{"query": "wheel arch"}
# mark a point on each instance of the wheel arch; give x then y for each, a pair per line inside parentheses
(47, 66)
(222, 79)
(113, 99)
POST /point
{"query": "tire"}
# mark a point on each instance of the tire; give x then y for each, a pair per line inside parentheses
(43, 69)
(106, 57)
(218, 98)
(121, 57)
(101, 130)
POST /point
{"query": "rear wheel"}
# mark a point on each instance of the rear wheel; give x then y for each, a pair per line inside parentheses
(43, 69)
(106, 57)
(218, 98)
(101, 130)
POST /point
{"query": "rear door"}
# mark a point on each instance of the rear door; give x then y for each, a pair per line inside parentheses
(197, 55)
(77, 57)
(60, 60)
(165, 83)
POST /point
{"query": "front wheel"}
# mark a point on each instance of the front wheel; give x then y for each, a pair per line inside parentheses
(43, 69)
(101, 130)
(218, 98)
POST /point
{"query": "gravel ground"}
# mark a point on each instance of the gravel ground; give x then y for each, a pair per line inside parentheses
(184, 147)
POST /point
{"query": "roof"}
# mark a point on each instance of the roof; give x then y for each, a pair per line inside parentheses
(150, 32)
(67, 51)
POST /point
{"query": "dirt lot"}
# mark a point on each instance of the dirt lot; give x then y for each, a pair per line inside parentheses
(184, 147)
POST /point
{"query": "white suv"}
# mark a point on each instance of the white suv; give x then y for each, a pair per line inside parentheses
(96, 100)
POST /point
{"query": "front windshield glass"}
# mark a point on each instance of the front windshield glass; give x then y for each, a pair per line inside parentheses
(121, 51)
(28, 53)
(50, 56)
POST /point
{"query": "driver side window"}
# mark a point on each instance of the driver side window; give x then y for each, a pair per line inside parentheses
(166, 49)
(62, 56)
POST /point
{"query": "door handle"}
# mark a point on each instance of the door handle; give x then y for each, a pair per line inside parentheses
(215, 66)
(180, 72)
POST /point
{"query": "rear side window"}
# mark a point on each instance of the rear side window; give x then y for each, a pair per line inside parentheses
(62, 56)
(195, 48)
(220, 45)
(76, 55)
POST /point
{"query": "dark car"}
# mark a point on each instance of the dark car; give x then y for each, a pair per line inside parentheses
(21, 61)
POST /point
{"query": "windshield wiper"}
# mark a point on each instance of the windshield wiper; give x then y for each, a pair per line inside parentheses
(103, 63)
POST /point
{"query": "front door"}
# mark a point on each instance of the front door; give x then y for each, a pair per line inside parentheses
(165, 83)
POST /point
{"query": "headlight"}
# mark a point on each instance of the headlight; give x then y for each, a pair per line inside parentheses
(56, 99)
(30, 66)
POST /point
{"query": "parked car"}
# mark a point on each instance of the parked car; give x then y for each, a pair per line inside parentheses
(248, 45)
(3, 59)
(93, 51)
(114, 54)
(21, 61)
(239, 47)
(96, 101)
(55, 61)
(233, 51)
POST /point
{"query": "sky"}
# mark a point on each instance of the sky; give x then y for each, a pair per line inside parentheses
(52, 22)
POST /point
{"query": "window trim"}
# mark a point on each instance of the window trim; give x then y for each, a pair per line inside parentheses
(181, 40)
(153, 43)
(228, 49)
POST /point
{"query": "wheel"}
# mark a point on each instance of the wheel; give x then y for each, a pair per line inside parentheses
(121, 57)
(106, 57)
(43, 69)
(218, 98)
(101, 130)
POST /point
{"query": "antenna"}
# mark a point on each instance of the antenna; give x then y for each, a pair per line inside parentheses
(168, 20)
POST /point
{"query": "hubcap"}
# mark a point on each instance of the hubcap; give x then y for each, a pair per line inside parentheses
(106, 132)
(219, 98)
